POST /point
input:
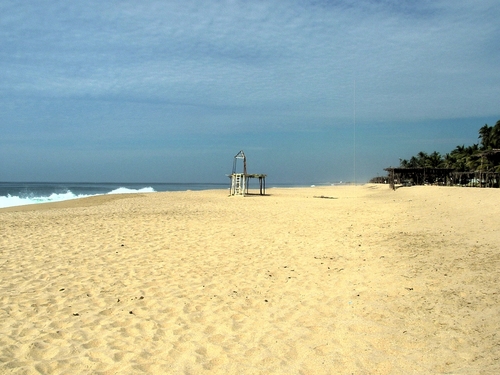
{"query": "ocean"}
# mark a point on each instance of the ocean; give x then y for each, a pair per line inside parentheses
(23, 193)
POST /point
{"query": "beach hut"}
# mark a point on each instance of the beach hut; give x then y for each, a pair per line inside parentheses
(418, 176)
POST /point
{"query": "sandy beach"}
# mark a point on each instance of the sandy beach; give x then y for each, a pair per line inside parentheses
(323, 280)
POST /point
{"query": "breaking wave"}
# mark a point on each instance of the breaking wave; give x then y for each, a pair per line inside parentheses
(33, 198)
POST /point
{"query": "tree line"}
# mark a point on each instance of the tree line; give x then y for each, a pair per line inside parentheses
(478, 157)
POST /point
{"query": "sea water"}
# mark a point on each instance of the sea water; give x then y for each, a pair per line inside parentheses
(23, 193)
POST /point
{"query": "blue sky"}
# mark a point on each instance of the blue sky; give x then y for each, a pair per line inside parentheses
(169, 91)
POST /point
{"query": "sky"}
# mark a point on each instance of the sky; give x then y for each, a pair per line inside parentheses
(312, 91)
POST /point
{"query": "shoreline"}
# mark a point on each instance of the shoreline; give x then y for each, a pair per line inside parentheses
(100, 198)
(374, 281)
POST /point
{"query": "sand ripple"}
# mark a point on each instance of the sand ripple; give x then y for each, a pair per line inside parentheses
(373, 282)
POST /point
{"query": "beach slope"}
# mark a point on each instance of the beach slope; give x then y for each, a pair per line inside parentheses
(321, 280)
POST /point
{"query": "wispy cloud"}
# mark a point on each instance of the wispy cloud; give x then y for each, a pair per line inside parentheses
(159, 68)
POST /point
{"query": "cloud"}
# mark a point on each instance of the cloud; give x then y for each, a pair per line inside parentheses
(109, 73)
(249, 54)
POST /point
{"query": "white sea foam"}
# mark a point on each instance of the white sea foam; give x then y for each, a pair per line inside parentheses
(11, 201)
(123, 190)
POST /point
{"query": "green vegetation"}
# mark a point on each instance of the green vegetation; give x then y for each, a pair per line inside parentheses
(478, 157)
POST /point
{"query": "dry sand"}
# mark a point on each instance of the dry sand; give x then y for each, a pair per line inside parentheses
(373, 282)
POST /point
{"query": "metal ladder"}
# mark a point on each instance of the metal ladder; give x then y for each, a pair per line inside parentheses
(238, 184)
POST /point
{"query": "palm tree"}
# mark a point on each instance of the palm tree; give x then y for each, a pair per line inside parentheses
(422, 159)
(485, 136)
(464, 158)
(495, 135)
(434, 160)
(413, 162)
(472, 159)
(449, 161)
(403, 163)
